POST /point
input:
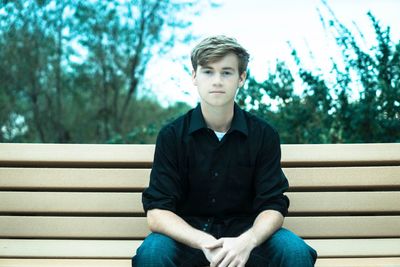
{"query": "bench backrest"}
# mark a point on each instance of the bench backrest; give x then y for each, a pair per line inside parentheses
(88, 198)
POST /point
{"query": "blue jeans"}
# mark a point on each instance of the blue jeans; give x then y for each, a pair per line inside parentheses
(283, 248)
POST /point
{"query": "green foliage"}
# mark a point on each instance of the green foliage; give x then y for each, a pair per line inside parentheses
(70, 70)
(327, 112)
(144, 128)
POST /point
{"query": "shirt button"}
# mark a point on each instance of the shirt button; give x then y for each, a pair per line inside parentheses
(216, 174)
(213, 200)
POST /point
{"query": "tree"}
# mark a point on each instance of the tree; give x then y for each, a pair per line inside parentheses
(31, 53)
(375, 115)
(300, 119)
(326, 112)
(72, 69)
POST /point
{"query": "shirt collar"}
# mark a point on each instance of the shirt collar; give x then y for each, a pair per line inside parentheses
(197, 121)
(239, 123)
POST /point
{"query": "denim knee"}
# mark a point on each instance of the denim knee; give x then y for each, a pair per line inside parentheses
(156, 250)
(283, 249)
(291, 250)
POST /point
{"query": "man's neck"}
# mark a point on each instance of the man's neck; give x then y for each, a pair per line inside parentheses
(218, 118)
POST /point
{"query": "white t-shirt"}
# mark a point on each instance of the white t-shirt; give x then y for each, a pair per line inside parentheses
(220, 135)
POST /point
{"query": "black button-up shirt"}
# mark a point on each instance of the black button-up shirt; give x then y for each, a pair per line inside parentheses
(207, 181)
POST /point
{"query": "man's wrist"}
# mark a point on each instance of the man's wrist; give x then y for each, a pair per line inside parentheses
(250, 238)
(203, 240)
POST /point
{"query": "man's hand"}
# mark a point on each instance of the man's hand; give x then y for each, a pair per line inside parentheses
(211, 253)
(206, 245)
(231, 252)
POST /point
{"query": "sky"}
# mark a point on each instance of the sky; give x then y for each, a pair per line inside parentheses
(264, 28)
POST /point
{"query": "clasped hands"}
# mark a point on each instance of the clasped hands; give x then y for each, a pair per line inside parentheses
(229, 251)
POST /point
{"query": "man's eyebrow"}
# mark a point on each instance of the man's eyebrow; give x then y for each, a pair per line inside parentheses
(224, 68)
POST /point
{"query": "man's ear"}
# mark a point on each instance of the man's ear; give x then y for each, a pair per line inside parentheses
(194, 80)
(242, 78)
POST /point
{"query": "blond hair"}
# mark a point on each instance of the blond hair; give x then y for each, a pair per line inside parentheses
(214, 48)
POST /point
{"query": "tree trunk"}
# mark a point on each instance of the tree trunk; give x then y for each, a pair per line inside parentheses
(59, 116)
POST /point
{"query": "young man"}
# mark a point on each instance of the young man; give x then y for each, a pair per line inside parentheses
(216, 187)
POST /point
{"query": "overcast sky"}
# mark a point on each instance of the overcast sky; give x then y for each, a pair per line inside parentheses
(264, 27)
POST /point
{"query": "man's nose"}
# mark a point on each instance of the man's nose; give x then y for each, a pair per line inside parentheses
(217, 79)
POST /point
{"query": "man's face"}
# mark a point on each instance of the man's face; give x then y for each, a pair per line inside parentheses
(218, 82)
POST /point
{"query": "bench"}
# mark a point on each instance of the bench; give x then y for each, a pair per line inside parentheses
(80, 205)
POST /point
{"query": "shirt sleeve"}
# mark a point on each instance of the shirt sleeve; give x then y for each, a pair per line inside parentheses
(165, 187)
(270, 181)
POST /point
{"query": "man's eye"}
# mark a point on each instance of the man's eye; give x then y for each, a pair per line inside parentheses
(227, 73)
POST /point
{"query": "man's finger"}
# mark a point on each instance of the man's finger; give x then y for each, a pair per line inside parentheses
(216, 244)
(236, 263)
(228, 260)
(218, 258)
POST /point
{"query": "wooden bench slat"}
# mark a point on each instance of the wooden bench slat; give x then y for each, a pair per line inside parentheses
(76, 155)
(117, 203)
(137, 179)
(358, 262)
(348, 262)
(142, 155)
(125, 249)
(343, 177)
(64, 263)
(74, 178)
(69, 202)
(344, 202)
(136, 227)
(73, 227)
(345, 227)
(341, 154)
(68, 249)
(341, 248)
